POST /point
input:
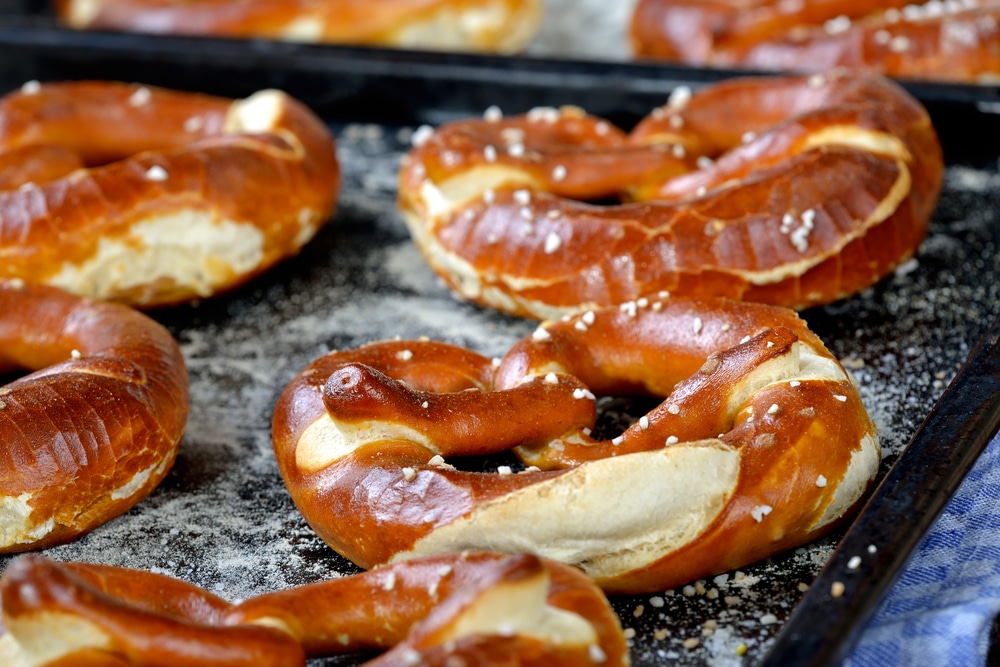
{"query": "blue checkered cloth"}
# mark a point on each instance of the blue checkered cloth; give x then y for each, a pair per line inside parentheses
(941, 610)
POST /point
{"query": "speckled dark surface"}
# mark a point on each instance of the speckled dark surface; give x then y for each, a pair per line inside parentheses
(223, 519)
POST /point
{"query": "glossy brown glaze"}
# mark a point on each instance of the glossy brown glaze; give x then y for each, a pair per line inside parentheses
(761, 443)
(430, 611)
(793, 191)
(96, 427)
(952, 41)
(467, 25)
(149, 196)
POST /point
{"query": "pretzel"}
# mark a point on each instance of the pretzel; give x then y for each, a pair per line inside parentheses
(183, 196)
(468, 609)
(761, 444)
(944, 40)
(794, 191)
(461, 25)
(96, 427)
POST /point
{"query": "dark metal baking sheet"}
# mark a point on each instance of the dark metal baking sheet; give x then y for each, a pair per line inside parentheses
(223, 519)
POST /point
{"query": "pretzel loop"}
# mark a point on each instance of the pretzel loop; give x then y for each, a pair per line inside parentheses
(95, 427)
(795, 191)
(954, 41)
(148, 196)
(475, 608)
(759, 420)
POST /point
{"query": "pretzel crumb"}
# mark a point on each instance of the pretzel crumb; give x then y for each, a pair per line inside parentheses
(768, 619)
(691, 643)
(837, 589)
(803, 587)
(660, 634)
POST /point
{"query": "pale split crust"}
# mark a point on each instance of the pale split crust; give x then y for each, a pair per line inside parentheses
(219, 191)
(740, 197)
(503, 26)
(98, 424)
(789, 454)
(479, 608)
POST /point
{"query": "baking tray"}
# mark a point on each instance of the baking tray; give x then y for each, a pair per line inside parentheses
(222, 518)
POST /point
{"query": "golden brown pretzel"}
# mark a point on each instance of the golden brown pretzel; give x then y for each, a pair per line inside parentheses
(458, 609)
(764, 446)
(96, 427)
(467, 25)
(185, 194)
(957, 41)
(795, 191)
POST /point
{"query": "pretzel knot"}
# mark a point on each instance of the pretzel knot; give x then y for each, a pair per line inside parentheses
(96, 427)
(469, 609)
(795, 191)
(504, 26)
(956, 41)
(148, 196)
(761, 444)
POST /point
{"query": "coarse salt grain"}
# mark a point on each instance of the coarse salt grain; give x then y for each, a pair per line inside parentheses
(404, 355)
(821, 481)
(140, 97)
(32, 87)
(493, 114)
(552, 243)
(758, 513)
(422, 135)
(156, 173)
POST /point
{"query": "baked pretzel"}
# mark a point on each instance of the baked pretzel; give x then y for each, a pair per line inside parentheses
(796, 191)
(462, 25)
(764, 445)
(469, 609)
(96, 427)
(183, 196)
(956, 40)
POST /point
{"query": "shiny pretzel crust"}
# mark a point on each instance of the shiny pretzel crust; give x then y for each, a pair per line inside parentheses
(761, 444)
(504, 26)
(948, 41)
(185, 196)
(793, 191)
(473, 608)
(96, 427)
